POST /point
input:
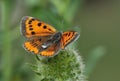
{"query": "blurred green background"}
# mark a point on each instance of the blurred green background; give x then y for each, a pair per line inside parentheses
(96, 20)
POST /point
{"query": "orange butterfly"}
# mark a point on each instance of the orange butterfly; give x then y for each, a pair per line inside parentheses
(43, 39)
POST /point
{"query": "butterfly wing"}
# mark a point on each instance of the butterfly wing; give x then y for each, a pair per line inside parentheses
(52, 50)
(33, 27)
(34, 44)
(68, 37)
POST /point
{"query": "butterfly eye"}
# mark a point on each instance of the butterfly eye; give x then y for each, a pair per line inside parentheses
(57, 36)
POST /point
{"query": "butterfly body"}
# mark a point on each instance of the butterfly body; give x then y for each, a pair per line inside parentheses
(54, 39)
(43, 39)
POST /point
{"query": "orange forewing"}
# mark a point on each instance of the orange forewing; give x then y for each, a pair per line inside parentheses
(68, 37)
(33, 27)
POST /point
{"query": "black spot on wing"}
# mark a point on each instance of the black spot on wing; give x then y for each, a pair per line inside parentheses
(30, 28)
(30, 22)
(30, 25)
(44, 26)
(39, 24)
(33, 33)
(49, 29)
(33, 19)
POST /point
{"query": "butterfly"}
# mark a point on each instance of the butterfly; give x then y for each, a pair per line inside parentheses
(43, 39)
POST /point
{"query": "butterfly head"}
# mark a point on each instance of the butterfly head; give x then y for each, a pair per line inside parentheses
(57, 37)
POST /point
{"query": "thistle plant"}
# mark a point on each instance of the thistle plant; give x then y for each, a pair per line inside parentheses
(66, 66)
